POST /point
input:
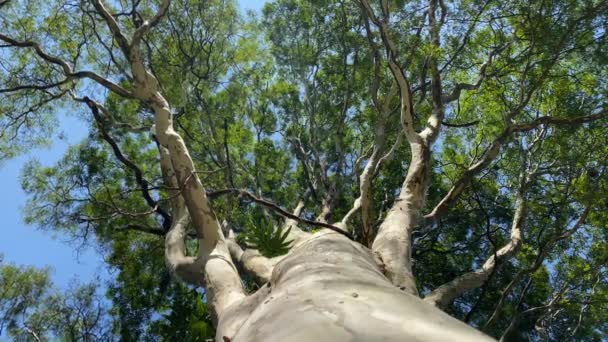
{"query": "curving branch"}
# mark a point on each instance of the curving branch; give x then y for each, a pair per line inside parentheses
(363, 203)
(433, 125)
(120, 38)
(274, 207)
(222, 281)
(66, 68)
(187, 268)
(149, 24)
(442, 207)
(405, 92)
(393, 241)
(540, 258)
(251, 260)
(213, 265)
(141, 181)
(457, 91)
(446, 293)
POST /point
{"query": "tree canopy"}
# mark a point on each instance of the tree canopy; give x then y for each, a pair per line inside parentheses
(492, 115)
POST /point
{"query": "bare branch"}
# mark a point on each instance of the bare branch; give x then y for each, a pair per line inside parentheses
(34, 86)
(455, 94)
(143, 229)
(455, 125)
(433, 126)
(104, 82)
(67, 69)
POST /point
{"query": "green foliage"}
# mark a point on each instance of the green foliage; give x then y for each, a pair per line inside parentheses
(280, 104)
(20, 290)
(30, 307)
(188, 319)
(268, 240)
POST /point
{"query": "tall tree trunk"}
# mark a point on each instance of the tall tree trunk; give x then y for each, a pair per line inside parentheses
(332, 289)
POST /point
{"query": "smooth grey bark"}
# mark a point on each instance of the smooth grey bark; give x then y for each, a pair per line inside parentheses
(331, 289)
(446, 293)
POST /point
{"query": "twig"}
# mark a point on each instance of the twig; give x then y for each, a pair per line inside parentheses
(277, 209)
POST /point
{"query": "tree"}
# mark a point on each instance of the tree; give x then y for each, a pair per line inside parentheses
(20, 291)
(32, 310)
(409, 157)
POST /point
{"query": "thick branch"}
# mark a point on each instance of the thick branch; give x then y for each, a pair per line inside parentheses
(393, 242)
(184, 267)
(147, 25)
(251, 260)
(446, 293)
(120, 38)
(540, 258)
(222, 282)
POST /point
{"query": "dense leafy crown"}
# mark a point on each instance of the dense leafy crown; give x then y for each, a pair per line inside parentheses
(291, 104)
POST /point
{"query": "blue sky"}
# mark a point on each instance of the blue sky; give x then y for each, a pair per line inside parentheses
(25, 245)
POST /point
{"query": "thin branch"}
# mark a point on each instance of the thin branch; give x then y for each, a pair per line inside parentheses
(122, 41)
(277, 209)
(34, 86)
(542, 254)
(143, 183)
(446, 293)
(460, 125)
(147, 25)
(67, 69)
(492, 152)
(65, 66)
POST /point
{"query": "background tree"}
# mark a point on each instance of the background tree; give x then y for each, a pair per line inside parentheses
(32, 310)
(420, 151)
